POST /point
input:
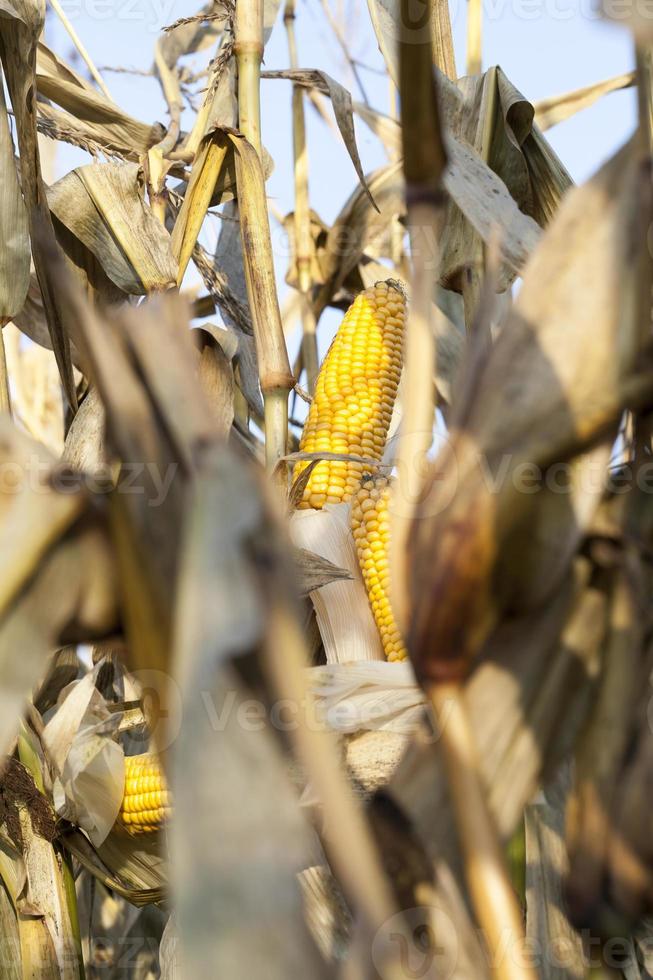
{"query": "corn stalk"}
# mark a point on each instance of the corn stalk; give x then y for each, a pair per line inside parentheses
(302, 215)
(274, 368)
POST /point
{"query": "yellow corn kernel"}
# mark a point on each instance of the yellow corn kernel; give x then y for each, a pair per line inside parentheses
(370, 521)
(146, 800)
(355, 394)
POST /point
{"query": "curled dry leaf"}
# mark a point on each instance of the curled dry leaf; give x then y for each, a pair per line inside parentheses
(87, 111)
(342, 107)
(103, 206)
(566, 391)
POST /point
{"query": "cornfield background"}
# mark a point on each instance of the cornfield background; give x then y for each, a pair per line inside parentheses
(322, 666)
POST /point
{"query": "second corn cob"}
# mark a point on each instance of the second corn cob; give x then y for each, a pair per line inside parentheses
(370, 521)
(355, 394)
(146, 803)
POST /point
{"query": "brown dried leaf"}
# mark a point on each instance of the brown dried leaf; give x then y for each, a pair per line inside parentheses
(571, 356)
(102, 120)
(31, 320)
(14, 229)
(315, 572)
(103, 206)
(70, 597)
(526, 702)
(217, 379)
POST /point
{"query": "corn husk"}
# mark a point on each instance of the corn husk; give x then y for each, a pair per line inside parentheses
(356, 697)
(90, 780)
(343, 613)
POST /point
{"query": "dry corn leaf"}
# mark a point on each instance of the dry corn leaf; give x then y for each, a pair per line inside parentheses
(240, 349)
(34, 514)
(31, 320)
(103, 206)
(101, 119)
(314, 571)
(217, 379)
(526, 700)
(358, 226)
(207, 167)
(212, 179)
(84, 448)
(10, 929)
(571, 356)
(14, 227)
(131, 866)
(239, 918)
(121, 926)
(63, 669)
(487, 204)
(155, 422)
(549, 112)
(610, 885)
(476, 190)
(559, 946)
(385, 16)
(188, 38)
(548, 177)
(21, 23)
(69, 598)
(342, 108)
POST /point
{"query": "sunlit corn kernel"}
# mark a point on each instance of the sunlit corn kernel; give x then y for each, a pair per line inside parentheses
(371, 531)
(355, 393)
(146, 800)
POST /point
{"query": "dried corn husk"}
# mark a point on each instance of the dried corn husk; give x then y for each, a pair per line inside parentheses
(344, 616)
(80, 738)
(356, 697)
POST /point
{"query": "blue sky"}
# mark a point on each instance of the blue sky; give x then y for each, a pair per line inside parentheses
(544, 46)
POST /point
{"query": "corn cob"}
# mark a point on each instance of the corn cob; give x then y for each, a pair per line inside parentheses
(146, 800)
(370, 521)
(355, 394)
